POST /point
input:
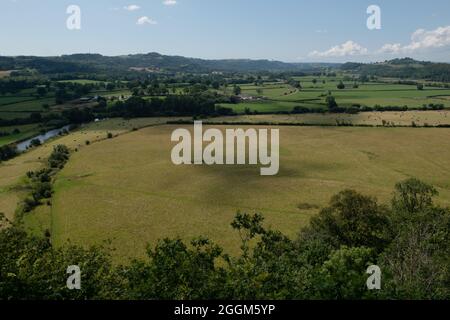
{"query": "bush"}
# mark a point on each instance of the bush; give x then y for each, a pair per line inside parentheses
(29, 204)
(341, 85)
(35, 143)
(331, 103)
(352, 220)
(59, 156)
(301, 110)
(41, 190)
(7, 152)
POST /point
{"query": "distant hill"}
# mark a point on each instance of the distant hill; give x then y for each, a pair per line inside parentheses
(155, 61)
(405, 68)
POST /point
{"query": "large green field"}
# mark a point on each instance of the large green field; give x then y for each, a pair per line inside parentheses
(128, 191)
(283, 97)
(22, 104)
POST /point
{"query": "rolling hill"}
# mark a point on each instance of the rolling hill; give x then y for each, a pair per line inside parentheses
(405, 68)
(97, 62)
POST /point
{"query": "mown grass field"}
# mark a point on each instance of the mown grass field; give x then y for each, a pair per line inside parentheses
(127, 190)
(283, 97)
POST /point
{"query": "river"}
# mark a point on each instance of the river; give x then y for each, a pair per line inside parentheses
(24, 145)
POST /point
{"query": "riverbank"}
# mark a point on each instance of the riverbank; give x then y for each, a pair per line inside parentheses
(25, 144)
(12, 172)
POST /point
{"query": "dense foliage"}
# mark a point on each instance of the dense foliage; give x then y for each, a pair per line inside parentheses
(39, 182)
(408, 239)
(404, 69)
(172, 105)
(96, 63)
(7, 152)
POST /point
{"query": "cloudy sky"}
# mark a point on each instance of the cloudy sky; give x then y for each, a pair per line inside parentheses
(287, 30)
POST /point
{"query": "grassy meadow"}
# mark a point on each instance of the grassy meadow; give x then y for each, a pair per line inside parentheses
(128, 191)
(22, 104)
(12, 172)
(283, 97)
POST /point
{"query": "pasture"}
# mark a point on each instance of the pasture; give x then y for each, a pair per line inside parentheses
(128, 191)
(283, 97)
(23, 103)
(12, 172)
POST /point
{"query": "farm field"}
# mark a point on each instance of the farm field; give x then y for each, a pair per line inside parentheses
(11, 99)
(22, 104)
(127, 190)
(4, 74)
(389, 118)
(83, 81)
(26, 131)
(7, 115)
(29, 105)
(25, 102)
(283, 97)
(12, 172)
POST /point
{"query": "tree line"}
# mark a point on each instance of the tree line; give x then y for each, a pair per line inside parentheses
(172, 105)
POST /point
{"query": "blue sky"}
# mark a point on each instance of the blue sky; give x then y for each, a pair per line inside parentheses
(287, 30)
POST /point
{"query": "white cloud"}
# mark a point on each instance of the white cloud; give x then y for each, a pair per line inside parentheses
(388, 48)
(145, 20)
(170, 2)
(132, 7)
(348, 48)
(421, 39)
